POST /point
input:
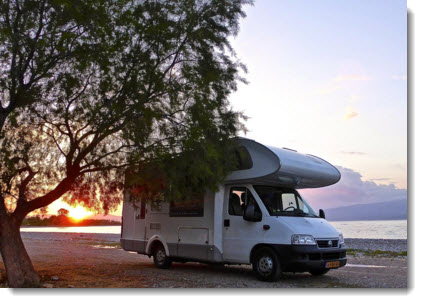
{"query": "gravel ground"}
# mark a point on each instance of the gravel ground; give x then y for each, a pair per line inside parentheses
(94, 260)
(398, 245)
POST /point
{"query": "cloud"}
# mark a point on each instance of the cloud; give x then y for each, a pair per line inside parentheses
(351, 189)
(395, 77)
(352, 77)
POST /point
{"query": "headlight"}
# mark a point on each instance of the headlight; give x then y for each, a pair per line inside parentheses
(341, 239)
(303, 240)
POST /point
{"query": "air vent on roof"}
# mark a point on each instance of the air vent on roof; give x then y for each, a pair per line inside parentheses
(293, 150)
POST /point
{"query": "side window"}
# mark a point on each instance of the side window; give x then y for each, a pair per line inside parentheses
(289, 201)
(237, 201)
(193, 207)
(243, 158)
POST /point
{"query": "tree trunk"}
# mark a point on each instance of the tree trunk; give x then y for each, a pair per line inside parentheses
(19, 269)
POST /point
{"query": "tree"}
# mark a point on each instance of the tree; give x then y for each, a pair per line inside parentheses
(91, 88)
(63, 212)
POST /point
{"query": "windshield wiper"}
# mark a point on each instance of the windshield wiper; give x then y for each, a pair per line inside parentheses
(295, 213)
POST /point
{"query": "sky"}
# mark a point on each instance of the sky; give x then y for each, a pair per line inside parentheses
(328, 78)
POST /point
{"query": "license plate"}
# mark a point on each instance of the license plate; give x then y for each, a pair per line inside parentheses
(333, 264)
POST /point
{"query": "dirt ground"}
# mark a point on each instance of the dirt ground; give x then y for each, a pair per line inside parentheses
(90, 261)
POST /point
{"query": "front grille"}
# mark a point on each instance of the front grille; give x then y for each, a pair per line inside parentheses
(326, 243)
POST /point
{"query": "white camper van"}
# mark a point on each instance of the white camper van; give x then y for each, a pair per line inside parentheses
(256, 217)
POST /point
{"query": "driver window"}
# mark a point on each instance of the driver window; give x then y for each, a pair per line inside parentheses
(289, 201)
(237, 201)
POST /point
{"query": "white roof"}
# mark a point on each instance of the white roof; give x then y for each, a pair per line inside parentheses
(284, 167)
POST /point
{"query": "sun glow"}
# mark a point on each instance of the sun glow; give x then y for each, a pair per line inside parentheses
(78, 213)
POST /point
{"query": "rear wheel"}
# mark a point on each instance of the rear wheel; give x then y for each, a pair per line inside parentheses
(161, 260)
(266, 265)
(319, 272)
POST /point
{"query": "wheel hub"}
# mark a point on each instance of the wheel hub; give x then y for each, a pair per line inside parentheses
(161, 256)
(265, 264)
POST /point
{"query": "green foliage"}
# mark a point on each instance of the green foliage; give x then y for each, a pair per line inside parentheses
(92, 88)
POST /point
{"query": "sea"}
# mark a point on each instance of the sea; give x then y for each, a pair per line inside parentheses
(394, 229)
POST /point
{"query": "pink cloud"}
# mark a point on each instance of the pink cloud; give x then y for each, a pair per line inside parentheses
(351, 189)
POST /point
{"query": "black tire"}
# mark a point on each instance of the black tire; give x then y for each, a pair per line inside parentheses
(319, 272)
(161, 260)
(266, 265)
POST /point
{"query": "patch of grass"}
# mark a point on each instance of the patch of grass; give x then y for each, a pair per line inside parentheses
(376, 253)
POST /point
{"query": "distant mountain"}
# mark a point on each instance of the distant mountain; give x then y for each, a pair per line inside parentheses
(392, 210)
(105, 217)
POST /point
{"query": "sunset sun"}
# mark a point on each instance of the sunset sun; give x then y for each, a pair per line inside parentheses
(78, 213)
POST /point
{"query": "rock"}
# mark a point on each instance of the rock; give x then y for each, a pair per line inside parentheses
(47, 285)
(54, 278)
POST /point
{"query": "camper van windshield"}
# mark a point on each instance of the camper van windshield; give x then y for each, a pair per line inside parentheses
(284, 202)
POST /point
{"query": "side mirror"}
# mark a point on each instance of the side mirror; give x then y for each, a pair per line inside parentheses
(321, 213)
(250, 213)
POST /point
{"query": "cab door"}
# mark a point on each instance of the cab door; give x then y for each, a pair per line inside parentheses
(239, 235)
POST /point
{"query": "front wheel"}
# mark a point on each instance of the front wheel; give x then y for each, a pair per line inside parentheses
(266, 265)
(319, 272)
(160, 258)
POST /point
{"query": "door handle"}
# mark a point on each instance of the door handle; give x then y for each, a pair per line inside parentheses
(226, 223)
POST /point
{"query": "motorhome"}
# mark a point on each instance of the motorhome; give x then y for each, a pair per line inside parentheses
(256, 217)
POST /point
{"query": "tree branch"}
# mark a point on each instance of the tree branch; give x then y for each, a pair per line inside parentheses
(64, 186)
(97, 161)
(3, 210)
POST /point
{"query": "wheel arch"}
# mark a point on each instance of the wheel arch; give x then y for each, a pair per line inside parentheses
(257, 247)
(156, 240)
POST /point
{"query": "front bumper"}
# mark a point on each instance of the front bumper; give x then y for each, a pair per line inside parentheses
(301, 258)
